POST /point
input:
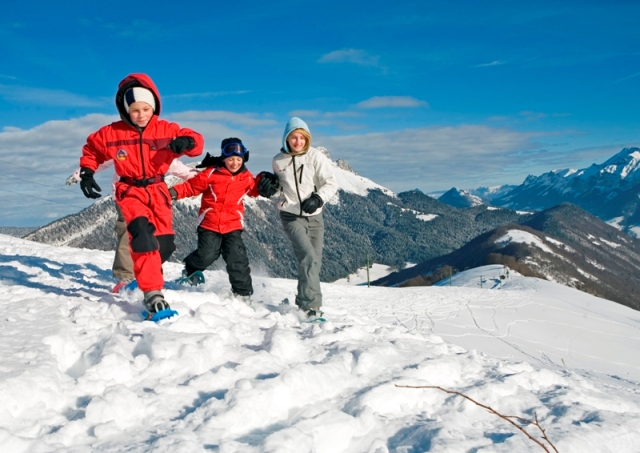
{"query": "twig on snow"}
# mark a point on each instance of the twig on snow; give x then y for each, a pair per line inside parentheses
(508, 418)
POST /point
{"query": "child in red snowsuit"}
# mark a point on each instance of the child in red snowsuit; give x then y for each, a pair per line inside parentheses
(223, 185)
(142, 147)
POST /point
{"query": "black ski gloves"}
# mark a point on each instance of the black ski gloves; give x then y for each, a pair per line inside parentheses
(181, 144)
(173, 193)
(268, 184)
(312, 203)
(210, 161)
(88, 184)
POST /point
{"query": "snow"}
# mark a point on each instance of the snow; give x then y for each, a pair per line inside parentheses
(356, 184)
(79, 371)
(616, 222)
(559, 244)
(555, 242)
(632, 164)
(426, 217)
(611, 244)
(635, 230)
(523, 237)
(419, 215)
(376, 271)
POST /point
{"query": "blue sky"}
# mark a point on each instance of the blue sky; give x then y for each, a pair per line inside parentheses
(413, 94)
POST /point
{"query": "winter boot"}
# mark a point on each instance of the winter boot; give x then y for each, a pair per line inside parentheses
(314, 314)
(154, 302)
(195, 279)
(246, 298)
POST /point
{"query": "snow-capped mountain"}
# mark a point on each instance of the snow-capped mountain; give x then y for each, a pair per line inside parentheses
(459, 198)
(609, 190)
(490, 193)
(563, 244)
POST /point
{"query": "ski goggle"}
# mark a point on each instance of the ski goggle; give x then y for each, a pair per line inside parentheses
(234, 149)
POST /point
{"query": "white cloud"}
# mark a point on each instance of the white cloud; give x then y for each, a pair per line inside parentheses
(355, 56)
(379, 102)
(493, 63)
(632, 76)
(327, 115)
(531, 116)
(22, 94)
(241, 119)
(432, 158)
(204, 94)
(306, 113)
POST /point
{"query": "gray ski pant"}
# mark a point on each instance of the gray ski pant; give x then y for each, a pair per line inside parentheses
(307, 238)
(122, 263)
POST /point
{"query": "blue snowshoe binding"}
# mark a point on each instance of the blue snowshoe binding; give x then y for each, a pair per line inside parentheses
(195, 279)
(157, 307)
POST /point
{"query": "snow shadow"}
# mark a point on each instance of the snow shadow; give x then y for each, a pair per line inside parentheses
(412, 439)
(75, 273)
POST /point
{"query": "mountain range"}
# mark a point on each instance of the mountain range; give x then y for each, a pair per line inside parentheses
(563, 244)
(609, 191)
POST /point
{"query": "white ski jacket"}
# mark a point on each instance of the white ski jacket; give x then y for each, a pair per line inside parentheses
(300, 176)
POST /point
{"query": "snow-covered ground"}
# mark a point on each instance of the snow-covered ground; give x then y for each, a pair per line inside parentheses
(79, 372)
(360, 277)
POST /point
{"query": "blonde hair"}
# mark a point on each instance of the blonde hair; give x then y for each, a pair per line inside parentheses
(306, 134)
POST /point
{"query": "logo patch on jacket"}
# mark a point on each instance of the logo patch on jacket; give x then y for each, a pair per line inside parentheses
(121, 155)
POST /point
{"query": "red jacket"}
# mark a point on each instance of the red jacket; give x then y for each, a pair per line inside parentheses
(222, 205)
(136, 154)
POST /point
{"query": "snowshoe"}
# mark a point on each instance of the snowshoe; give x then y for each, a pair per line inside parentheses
(119, 286)
(244, 298)
(131, 286)
(157, 307)
(313, 316)
(195, 279)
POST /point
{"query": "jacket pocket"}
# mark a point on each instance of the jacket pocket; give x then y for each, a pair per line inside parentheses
(122, 191)
(165, 196)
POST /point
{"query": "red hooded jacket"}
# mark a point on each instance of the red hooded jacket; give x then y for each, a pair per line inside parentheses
(222, 205)
(138, 154)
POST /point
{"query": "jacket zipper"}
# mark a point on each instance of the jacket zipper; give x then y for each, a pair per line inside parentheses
(144, 172)
(295, 178)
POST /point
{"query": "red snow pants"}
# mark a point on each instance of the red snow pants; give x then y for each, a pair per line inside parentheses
(147, 213)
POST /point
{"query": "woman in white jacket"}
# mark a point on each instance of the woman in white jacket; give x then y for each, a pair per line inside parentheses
(307, 182)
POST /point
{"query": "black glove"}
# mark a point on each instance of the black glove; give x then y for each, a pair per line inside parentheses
(312, 203)
(210, 161)
(173, 193)
(268, 184)
(87, 183)
(181, 144)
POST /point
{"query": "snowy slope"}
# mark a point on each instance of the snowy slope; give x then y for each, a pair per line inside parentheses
(79, 372)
